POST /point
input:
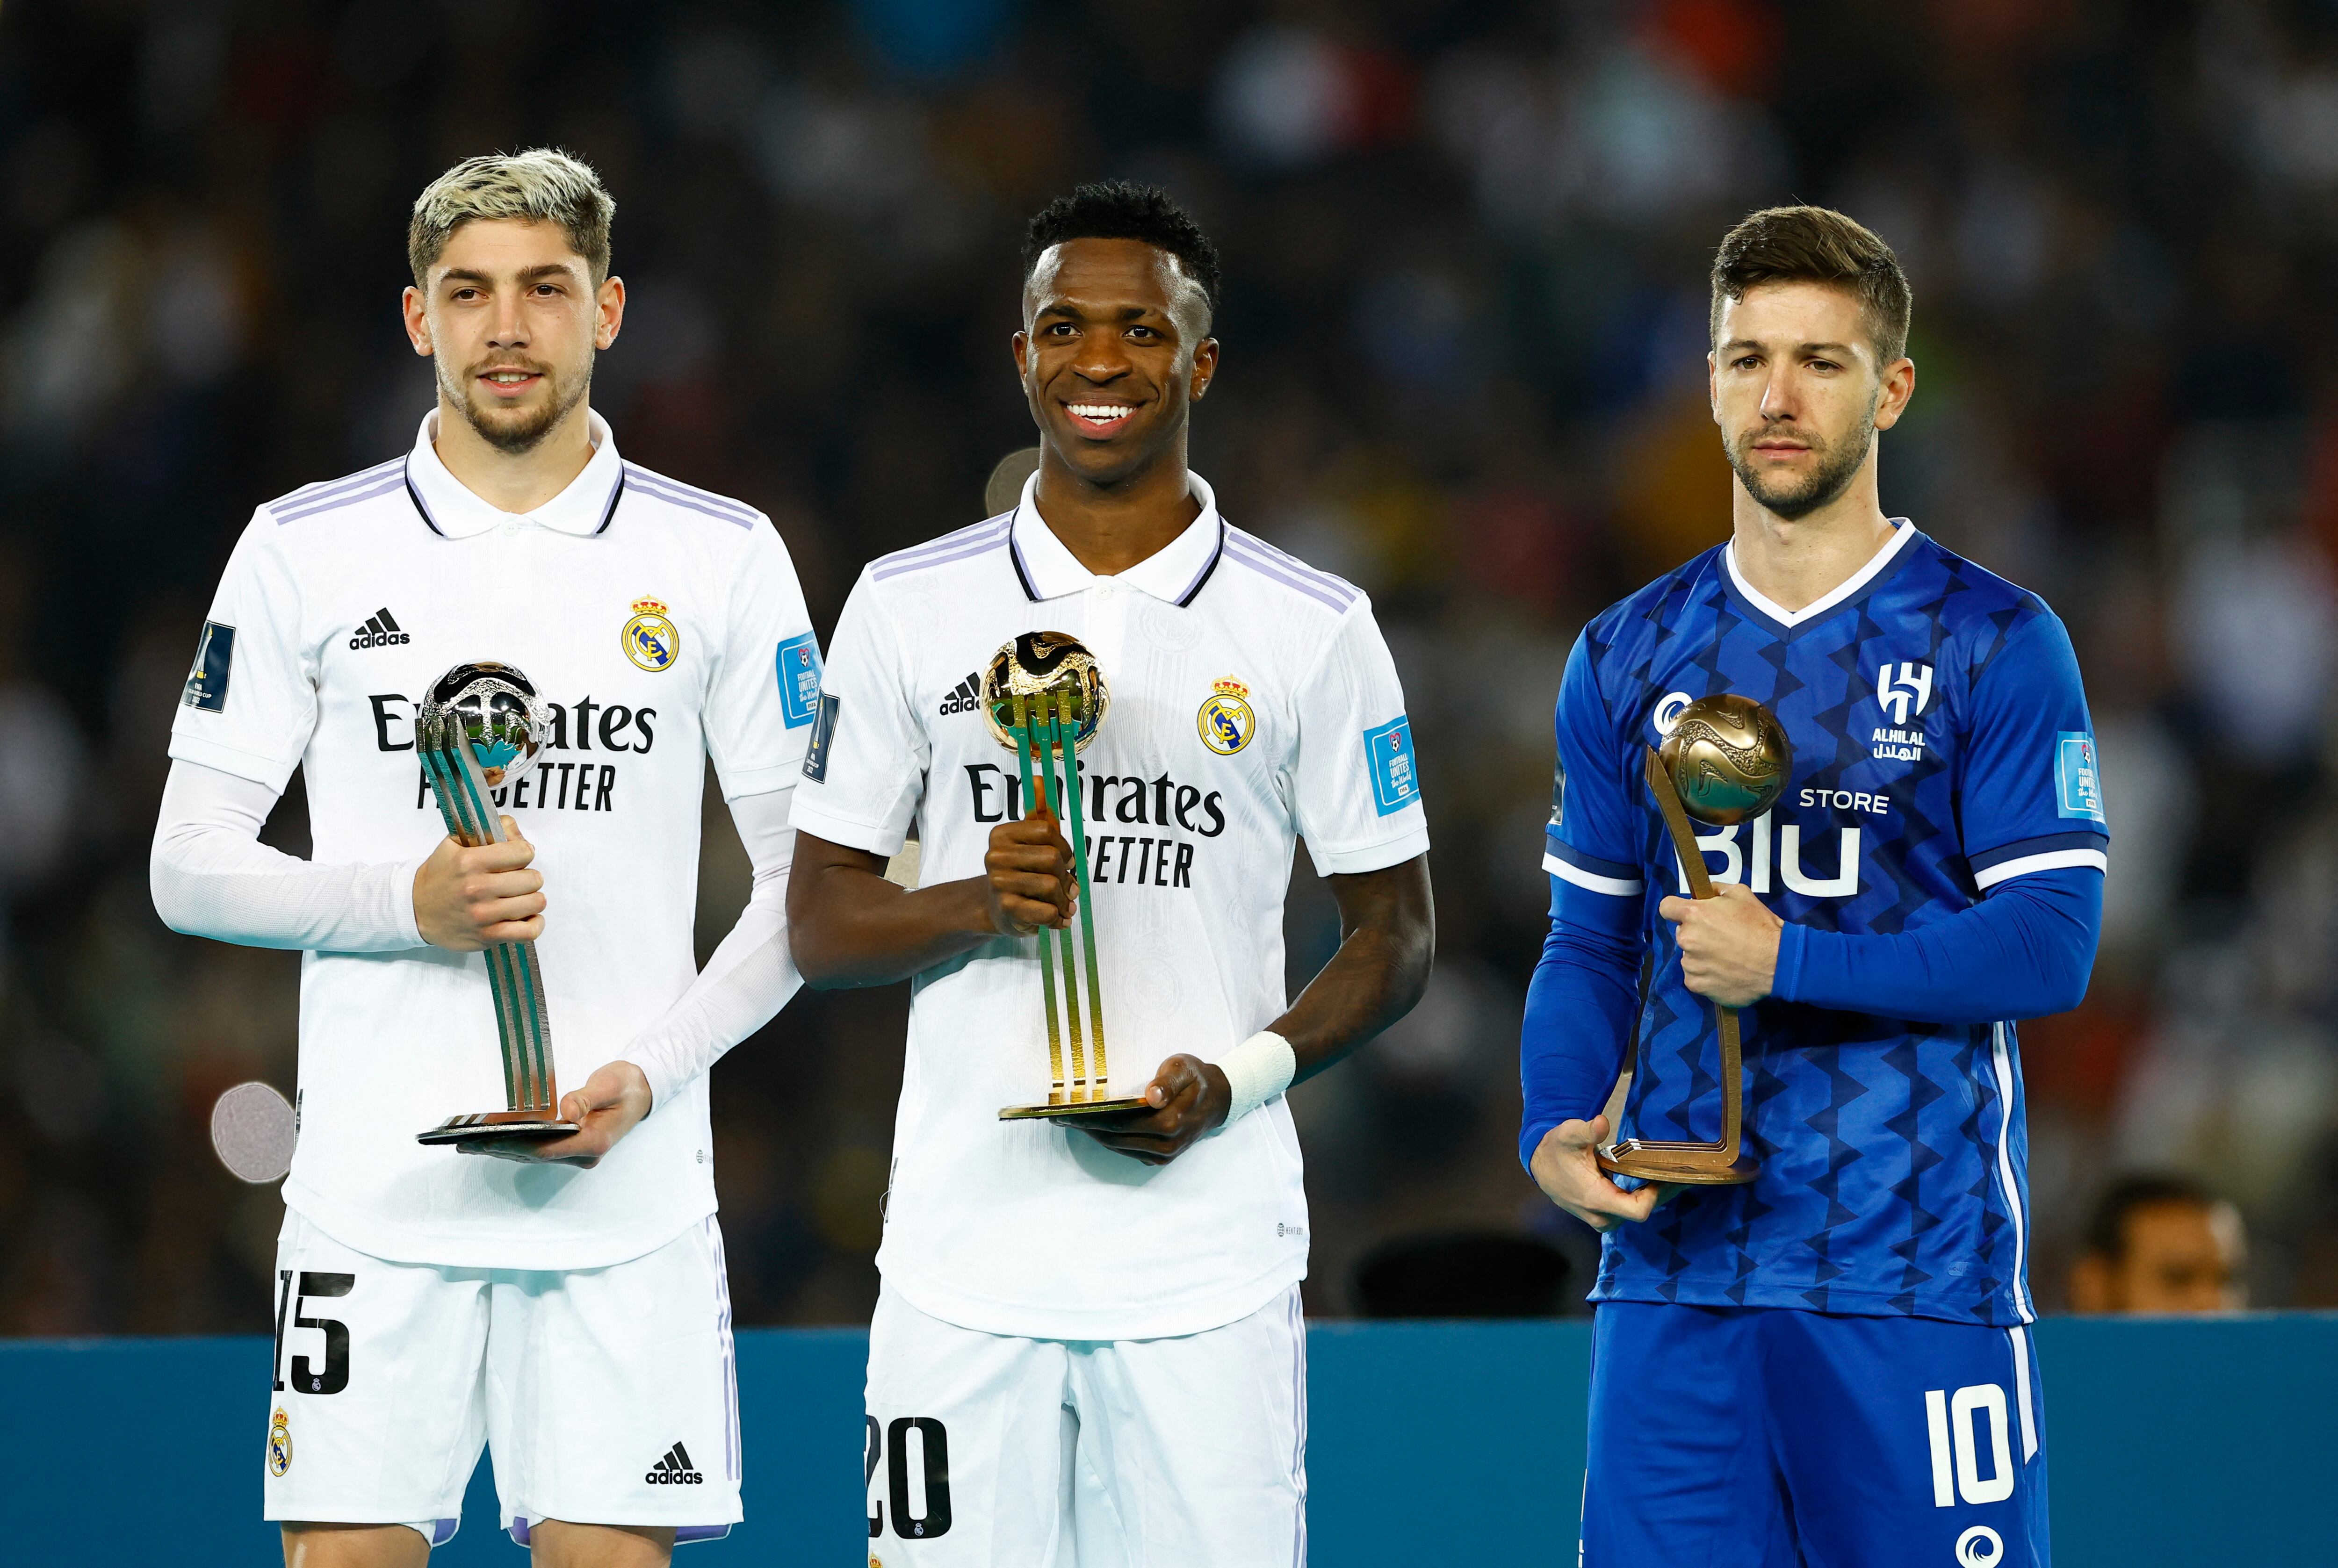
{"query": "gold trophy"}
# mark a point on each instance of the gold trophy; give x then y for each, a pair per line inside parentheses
(480, 729)
(1043, 698)
(1727, 761)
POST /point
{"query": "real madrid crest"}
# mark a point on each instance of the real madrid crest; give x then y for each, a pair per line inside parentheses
(280, 1442)
(1226, 721)
(650, 638)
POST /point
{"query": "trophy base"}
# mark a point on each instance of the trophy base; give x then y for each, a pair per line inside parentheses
(1681, 1164)
(1075, 1110)
(497, 1127)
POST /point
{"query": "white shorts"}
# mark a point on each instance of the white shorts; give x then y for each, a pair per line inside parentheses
(608, 1396)
(986, 1451)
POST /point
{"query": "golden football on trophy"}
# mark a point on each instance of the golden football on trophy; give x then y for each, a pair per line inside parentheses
(1044, 662)
(1728, 757)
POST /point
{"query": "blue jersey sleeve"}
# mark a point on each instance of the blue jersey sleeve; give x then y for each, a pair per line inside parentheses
(1579, 1006)
(1593, 842)
(2031, 794)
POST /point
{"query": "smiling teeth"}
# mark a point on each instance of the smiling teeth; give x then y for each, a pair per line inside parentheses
(1100, 412)
(509, 375)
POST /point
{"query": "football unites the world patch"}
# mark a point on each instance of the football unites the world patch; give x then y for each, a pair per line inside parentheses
(2077, 783)
(650, 638)
(1387, 757)
(1226, 721)
(280, 1442)
(214, 660)
(798, 665)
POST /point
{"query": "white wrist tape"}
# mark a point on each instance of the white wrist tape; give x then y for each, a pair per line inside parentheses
(1257, 1070)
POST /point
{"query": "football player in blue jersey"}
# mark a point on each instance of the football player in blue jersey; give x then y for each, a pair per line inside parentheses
(1829, 1365)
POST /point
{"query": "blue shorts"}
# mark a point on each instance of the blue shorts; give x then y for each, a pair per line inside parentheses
(1764, 1438)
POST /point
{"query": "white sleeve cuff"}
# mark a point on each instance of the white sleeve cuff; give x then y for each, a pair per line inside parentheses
(1257, 1070)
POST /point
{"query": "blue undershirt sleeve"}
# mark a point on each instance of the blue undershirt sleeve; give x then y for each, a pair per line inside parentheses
(1579, 1009)
(2024, 951)
(1579, 1006)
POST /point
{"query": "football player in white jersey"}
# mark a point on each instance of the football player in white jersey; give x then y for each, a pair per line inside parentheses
(1088, 1347)
(568, 1309)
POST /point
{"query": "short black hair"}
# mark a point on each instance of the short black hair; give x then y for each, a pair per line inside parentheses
(1125, 209)
(2107, 1228)
(1817, 245)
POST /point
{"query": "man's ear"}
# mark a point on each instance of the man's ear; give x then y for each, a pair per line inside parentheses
(1206, 367)
(417, 321)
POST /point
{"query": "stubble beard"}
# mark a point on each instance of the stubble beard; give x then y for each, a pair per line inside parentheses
(517, 431)
(1797, 499)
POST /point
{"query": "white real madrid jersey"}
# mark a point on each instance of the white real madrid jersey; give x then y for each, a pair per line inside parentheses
(661, 625)
(1253, 701)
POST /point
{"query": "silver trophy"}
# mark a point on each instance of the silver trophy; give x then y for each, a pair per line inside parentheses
(480, 729)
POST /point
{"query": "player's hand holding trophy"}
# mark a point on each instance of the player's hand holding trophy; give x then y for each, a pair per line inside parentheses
(1725, 760)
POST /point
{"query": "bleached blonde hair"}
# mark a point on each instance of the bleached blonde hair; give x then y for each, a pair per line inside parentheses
(542, 184)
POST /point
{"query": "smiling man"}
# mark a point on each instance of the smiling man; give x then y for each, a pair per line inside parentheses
(567, 1303)
(1829, 1364)
(1088, 1347)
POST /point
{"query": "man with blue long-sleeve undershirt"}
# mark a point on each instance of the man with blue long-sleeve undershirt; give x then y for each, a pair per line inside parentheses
(1828, 1364)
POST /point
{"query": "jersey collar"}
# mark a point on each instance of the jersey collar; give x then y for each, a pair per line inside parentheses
(1173, 573)
(1903, 531)
(454, 510)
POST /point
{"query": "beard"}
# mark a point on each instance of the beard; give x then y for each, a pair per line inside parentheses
(1796, 498)
(516, 430)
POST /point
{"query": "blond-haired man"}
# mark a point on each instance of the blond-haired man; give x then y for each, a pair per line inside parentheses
(568, 1308)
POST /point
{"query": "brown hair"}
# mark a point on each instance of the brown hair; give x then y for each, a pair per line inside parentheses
(1817, 245)
(542, 185)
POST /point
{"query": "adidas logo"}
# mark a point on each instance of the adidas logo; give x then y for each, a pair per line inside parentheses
(673, 1470)
(380, 631)
(964, 698)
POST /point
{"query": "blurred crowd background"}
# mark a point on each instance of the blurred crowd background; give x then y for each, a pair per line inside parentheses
(1466, 243)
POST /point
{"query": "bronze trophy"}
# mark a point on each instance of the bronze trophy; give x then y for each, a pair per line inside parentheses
(1725, 762)
(1043, 698)
(480, 729)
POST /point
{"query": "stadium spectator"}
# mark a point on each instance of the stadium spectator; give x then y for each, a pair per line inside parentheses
(2161, 1243)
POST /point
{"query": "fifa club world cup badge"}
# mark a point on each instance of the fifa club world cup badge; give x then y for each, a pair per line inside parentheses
(1226, 721)
(650, 638)
(280, 1442)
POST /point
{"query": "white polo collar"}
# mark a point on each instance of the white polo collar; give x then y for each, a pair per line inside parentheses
(1902, 531)
(453, 509)
(1173, 573)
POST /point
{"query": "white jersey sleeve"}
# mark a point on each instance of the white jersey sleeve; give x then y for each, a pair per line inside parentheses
(250, 704)
(212, 877)
(1357, 789)
(763, 690)
(866, 770)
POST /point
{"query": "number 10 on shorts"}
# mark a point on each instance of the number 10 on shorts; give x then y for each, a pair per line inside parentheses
(1952, 1420)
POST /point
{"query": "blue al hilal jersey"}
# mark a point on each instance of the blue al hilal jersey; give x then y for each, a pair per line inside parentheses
(1941, 745)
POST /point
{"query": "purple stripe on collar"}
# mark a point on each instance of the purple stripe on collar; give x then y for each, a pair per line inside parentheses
(683, 496)
(324, 487)
(971, 548)
(1273, 573)
(316, 507)
(988, 529)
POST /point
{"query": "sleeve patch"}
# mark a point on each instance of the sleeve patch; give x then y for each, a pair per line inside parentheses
(214, 660)
(823, 730)
(2077, 789)
(1387, 756)
(799, 672)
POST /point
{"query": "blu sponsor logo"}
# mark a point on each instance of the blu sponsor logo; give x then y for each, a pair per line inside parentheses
(1780, 846)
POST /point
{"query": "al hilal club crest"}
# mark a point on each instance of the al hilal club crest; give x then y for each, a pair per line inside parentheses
(1226, 721)
(650, 638)
(280, 1442)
